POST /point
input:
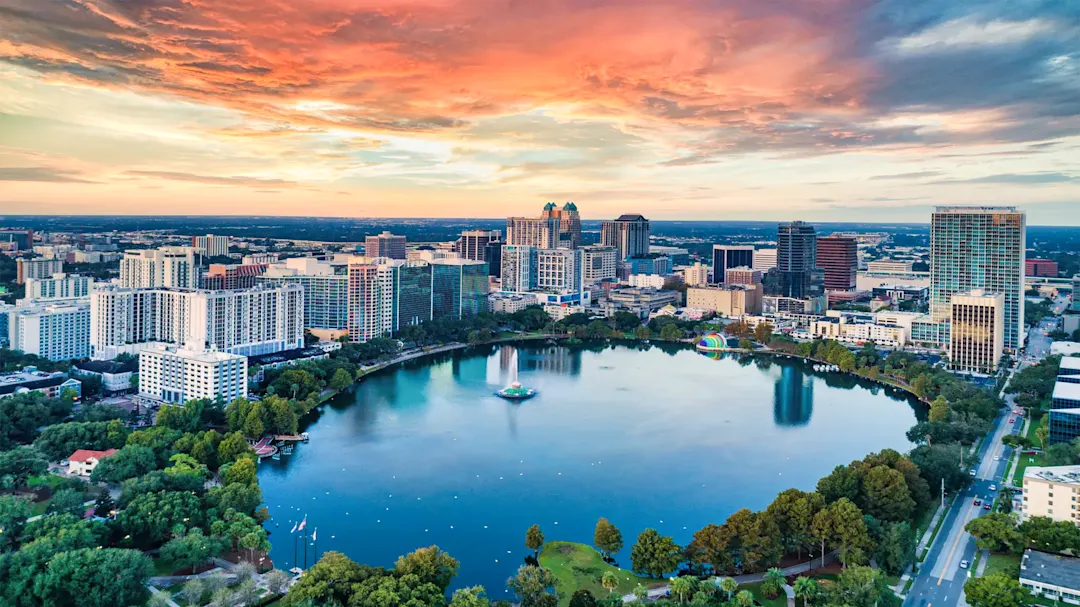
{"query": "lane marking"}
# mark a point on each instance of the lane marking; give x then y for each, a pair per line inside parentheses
(956, 543)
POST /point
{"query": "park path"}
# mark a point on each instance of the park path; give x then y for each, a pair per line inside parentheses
(749, 578)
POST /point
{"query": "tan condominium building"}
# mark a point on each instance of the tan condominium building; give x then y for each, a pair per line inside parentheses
(977, 339)
(729, 300)
(1051, 491)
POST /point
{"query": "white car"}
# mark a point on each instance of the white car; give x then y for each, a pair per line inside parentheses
(993, 487)
(963, 564)
(997, 458)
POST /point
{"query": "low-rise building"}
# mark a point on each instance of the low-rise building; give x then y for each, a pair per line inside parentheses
(653, 281)
(29, 379)
(172, 375)
(115, 376)
(559, 312)
(742, 276)
(509, 303)
(83, 461)
(733, 301)
(1052, 492)
(640, 301)
(1051, 576)
(854, 332)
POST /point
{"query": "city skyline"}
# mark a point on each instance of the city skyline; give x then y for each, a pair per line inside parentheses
(849, 109)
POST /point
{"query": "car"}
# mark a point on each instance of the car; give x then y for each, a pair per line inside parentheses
(971, 472)
(978, 502)
(997, 458)
(963, 564)
(993, 487)
(986, 506)
(64, 462)
(1012, 420)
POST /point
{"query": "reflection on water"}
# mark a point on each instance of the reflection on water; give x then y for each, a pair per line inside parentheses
(648, 435)
(793, 397)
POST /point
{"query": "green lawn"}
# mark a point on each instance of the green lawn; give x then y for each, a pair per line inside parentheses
(44, 479)
(1022, 463)
(1003, 563)
(580, 566)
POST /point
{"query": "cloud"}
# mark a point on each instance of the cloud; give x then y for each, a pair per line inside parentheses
(43, 174)
(1016, 179)
(213, 179)
(914, 175)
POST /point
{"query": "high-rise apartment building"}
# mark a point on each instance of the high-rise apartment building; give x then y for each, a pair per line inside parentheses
(730, 256)
(232, 276)
(697, 274)
(210, 245)
(977, 335)
(555, 228)
(385, 244)
(838, 258)
(171, 375)
(262, 320)
(174, 267)
(58, 286)
(473, 244)
(518, 268)
(599, 264)
(1075, 307)
(629, 235)
(529, 269)
(39, 268)
(796, 260)
(19, 240)
(56, 331)
(371, 300)
(326, 293)
(764, 259)
(979, 248)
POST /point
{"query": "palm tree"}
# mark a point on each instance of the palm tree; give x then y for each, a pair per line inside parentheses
(609, 581)
(681, 587)
(806, 589)
(772, 582)
(744, 599)
(641, 592)
(729, 586)
(295, 388)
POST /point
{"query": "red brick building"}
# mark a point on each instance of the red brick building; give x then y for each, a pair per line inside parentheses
(1040, 267)
(838, 257)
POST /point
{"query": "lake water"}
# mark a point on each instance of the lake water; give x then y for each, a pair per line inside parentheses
(662, 437)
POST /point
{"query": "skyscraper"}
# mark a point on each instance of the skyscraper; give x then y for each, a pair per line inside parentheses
(164, 267)
(555, 228)
(472, 244)
(979, 248)
(210, 245)
(459, 288)
(977, 336)
(730, 256)
(838, 257)
(385, 244)
(796, 259)
(629, 234)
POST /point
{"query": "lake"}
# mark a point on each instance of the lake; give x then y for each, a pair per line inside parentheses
(653, 436)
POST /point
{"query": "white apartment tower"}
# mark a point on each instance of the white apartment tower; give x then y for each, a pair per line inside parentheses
(40, 267)
(599, 264)
(59, 286)
(979, 248)
(371, 301)
(168, 374)
(261, 320)
(164, 267)
(210, 245)
(52, 331)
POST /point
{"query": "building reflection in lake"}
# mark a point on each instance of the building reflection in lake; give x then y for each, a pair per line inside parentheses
(793, 397)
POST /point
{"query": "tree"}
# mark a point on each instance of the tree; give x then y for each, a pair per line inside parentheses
(20, 464)
(243, 471)
(104, 506)
(232, 447)
(182, 463)
(821, 529)
(192, 592)
(681, 587)
(247, 593)
(95, 578)
(151, 517)
(840, 483)
(330, 581)
(997, 532)
(583, 598)
(190, 550)
(129, 462)
(886, 494)
(244, 570)
(277, 581)
(640, 593)
(67, 501)
(744, 598)
(534, 539)
(340, 380)
(654, 554)
(806, 589)
(607, 538)
(671, 332)
(939, 409)
(772, 583)
(13, 514)
(729, 586)
(1042, 433)
(531, 582)
(996, 590)
(763, 332)
(609, 581)
(849, 532)
(860, 587)
(746, 344)
(61, 440)
(430, 564)
(642, 332)
(470, 597)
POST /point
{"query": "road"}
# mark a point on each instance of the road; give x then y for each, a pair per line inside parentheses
(940, 581)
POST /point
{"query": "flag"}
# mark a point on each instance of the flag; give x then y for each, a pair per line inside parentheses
(294, 527)
(303, 524)
(313, 534)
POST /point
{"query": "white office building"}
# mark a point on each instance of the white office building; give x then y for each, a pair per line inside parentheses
(559, 270)
(59, 331)
(210, 245)
(889, 266)
(171, 375)
(165, 267)
(58, 286)
(977, 335)
(599, 264)
(260, 320)
(764, 259)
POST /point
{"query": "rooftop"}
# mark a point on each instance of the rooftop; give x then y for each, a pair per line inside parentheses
(631, 217)
(109, 366)
(209, 356)
(1052, 569)
(82, 455)
(1066, 390)
(1070, 365)
(1066, 475)
(285, 356)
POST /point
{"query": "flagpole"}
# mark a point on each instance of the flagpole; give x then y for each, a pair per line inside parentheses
(295, 537)
(315, 544)
(305, 549)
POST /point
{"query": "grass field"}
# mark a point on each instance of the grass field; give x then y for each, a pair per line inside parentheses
(759, 596)
(581, 566)
(1003, 563)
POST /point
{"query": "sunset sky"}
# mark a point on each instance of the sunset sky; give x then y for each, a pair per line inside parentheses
(855, 110)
